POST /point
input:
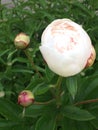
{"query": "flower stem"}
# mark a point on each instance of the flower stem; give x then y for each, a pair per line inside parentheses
(44, 103)
(86, 102)
(58, 91)
(23, 112)
(31, 61)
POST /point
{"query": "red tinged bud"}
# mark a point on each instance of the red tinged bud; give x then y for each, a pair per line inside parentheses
(26, 98)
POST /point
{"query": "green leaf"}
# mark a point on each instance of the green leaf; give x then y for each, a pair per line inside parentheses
(18, 70)
(87, 125)
(49, 73)
(38, 110)
(11, 54)
(47, 121)
(95, 123)
(76, 113)
(13, 125)
(21, 126)
(7, 123)
(71, 83)
(95, 4)
(1, 87)
(20, 59)
(34, 111)
(2, 53)
(94, 111)
(68, 124)
(82, 8)
(87, 87)
(9, 110)
(41, 89)
(34, 82)
(75, 125)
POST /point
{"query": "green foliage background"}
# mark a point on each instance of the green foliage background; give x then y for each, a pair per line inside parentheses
(17, 74)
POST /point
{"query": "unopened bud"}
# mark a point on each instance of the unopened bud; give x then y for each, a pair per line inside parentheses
(25, 98)
(22, 41)
(92, 57)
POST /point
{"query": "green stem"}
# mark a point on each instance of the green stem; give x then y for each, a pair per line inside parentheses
(58, 91)
(86, 102)
(44, 103)
(31, 61)
(23, 112)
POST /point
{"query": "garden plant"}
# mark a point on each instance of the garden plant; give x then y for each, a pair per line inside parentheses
(49, 65)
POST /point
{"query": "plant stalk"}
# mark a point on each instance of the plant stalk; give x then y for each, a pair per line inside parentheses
(58, 91)
(32, 63)
(44, 103)
(86, 102)
(23, 112)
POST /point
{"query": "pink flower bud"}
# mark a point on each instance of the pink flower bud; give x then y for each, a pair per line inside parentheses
(22, 41)
(25, 98)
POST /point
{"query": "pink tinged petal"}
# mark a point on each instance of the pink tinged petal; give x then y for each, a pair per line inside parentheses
(63, 65)
(61, 28)
(70, 46)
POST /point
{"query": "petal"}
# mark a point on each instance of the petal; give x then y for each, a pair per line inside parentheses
(64, 65)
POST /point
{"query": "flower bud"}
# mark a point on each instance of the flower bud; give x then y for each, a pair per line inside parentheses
(66, 47)
(92, 57)
(22, 41)
(25, 98)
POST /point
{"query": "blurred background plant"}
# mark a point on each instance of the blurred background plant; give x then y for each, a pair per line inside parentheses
(16, 71)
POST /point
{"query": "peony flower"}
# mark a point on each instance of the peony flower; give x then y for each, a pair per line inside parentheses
(21, 41)
(66, 47)
(25, 98)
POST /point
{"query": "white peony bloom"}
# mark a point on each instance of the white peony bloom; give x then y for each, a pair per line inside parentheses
(66, 47)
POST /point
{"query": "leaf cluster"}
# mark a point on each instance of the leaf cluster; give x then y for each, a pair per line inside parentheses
(17, 74)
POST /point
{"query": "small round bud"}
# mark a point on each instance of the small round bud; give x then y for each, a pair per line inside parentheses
(22, 41)
(25, 98)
